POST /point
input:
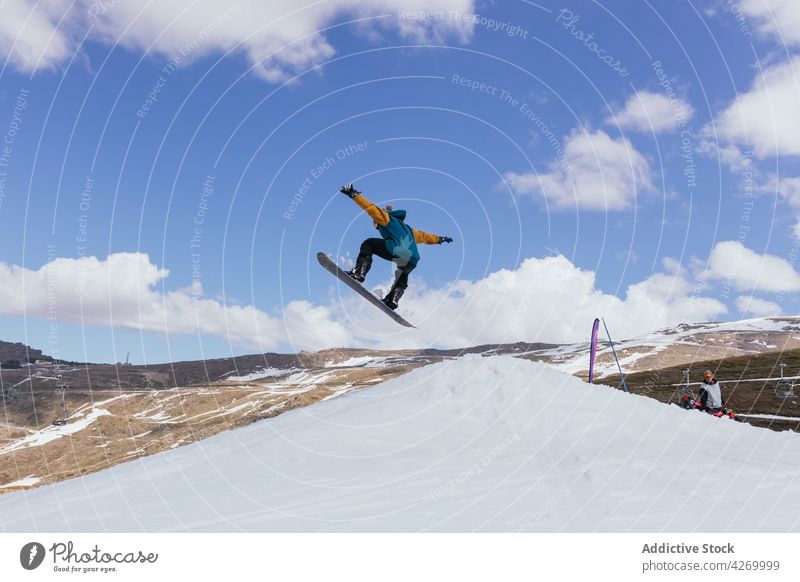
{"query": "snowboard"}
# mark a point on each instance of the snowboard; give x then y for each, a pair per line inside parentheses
(332, 268)
(691, 404)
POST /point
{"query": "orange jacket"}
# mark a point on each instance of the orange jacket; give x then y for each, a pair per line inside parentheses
(381, 218)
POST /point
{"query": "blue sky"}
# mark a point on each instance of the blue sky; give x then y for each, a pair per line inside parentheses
(630, 160)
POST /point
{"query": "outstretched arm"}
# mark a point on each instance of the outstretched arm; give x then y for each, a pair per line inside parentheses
(378, 214)
(426, 238)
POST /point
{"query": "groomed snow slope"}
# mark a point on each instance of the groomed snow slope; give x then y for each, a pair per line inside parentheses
(488, 444)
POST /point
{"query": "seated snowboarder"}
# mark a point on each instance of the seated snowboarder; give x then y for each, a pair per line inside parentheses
(711, 399)
(398, 244)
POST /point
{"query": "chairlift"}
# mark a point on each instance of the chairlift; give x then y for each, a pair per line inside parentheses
(784, 387)
(8, 392)
(62, 389)
(686, 397)
(12, 392)
(685, 389)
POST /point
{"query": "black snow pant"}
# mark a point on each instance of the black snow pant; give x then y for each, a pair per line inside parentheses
(377, 246)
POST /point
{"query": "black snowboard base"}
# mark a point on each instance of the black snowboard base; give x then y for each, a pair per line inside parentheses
(332, 268)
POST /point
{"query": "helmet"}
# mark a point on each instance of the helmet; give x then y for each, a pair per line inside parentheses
(708, 375)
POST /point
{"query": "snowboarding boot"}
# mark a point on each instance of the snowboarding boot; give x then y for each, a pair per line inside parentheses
(359, 272)
(393, 297)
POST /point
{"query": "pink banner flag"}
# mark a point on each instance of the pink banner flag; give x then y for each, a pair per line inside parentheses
(593, 351)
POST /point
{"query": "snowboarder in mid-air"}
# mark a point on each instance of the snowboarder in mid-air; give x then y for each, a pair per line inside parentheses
(398, 243)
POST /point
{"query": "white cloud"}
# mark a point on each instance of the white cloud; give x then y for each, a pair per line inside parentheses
(766, 116)
(777, 18)
(749, 305)
(121, 291)
(543, 299)
(646, 111)
(29, 34)
(731, 261)
(279, 37)
(547, 299)
(789, 189)
(597, 172)
(730, 155)
(672, 265)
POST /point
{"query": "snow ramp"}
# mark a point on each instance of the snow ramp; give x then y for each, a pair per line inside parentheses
(471, 444)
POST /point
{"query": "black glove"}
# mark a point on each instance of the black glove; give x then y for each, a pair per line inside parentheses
(445, 239)
(349, 190)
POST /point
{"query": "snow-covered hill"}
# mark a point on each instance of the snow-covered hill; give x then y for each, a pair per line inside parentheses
(680, 345)
(475, 443)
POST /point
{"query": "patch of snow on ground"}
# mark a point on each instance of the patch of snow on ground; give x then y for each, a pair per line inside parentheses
(245, 405)
(262, 373)
(153, 416)
(25, 482)
(354, 362)
(296, 384)
(306, 378)
(52, 433)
